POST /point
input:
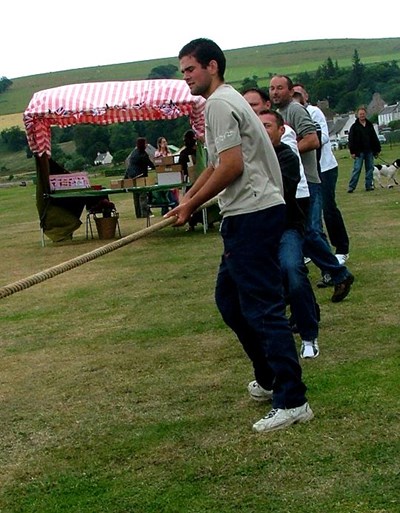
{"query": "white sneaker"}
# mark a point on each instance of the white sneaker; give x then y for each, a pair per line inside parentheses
(259, 393)
(309, 348)
(342, 258)
(279, 418)
(307, 260)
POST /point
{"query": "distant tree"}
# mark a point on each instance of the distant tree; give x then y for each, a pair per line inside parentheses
(5, 83)
(75, 163)
(61, 135)
(306, 79)
(357, 72)
(58, 154)
(120, 156)
(394, 125)
(249, 83)
(14, 138)
(327, 71)
(165, 71)
(122, 136)
(90, 140)
(374, 118)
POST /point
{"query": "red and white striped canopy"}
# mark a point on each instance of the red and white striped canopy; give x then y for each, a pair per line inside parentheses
(102, 103)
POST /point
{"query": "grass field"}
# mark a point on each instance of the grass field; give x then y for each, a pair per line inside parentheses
(122, 391)
(10, 120)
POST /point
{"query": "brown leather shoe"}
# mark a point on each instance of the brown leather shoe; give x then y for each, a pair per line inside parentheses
(342, 289)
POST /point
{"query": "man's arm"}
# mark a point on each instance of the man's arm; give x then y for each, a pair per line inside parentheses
(308, 142)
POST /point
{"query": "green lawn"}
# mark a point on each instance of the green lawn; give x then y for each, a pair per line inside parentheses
(123, 391)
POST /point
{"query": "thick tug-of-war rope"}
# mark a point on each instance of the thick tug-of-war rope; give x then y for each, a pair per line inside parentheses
(17, 286)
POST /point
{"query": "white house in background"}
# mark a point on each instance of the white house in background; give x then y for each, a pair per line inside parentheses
(103, 158)
(339, 126)
(389, 113)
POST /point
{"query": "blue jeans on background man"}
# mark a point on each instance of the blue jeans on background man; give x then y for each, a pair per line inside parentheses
(368, 158)
(316, 244)
(249, 296)
(334, 223)
(295, 279)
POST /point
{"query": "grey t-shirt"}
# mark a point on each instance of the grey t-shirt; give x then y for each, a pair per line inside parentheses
(230, 122)
(297, 117)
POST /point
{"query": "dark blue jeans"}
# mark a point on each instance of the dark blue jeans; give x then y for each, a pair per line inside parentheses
(316, 244)
(332, 216)
(297, 285)
(249, 296)
(368, 158)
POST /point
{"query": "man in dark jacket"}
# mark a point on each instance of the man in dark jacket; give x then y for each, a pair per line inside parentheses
(364, 145)
(298, 288)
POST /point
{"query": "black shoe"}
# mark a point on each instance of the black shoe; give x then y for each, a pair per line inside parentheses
(350, 190)
(326, 281)
(342, 289)
(370, 189)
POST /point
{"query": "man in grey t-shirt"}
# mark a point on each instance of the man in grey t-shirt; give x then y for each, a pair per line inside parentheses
(316, 246)
(244, 172)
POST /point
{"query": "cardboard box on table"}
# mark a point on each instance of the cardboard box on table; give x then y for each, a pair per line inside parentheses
(116, 184)
(168, 175)
(166, 161)
(127, 183)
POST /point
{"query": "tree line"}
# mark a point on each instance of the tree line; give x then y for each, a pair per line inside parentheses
(344, 88)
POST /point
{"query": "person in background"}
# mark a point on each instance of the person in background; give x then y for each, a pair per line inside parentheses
(244, 172)
(257, 98)
(305, 312)
(162, 148)
(187, 158)
(295, 274)
(364, 145)
(139, 161)
(171, 197)
(329, 174)
(188, 153)
(316, 245)
(138, 164)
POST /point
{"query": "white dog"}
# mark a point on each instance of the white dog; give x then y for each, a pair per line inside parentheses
(388, 171)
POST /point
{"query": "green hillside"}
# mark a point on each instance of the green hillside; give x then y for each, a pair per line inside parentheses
(288, 58)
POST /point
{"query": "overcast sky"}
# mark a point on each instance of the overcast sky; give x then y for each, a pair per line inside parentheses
(41, 36)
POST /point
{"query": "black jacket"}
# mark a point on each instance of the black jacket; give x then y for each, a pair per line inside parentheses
(363, 139)
(138, 164)
(290, 169)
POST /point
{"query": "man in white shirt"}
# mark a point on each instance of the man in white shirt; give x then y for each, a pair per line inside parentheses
(329, 174)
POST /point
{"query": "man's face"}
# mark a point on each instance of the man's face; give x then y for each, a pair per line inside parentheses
(361, 115)
(274, 131)
(256, 102)
(197, 78)
(279, 92)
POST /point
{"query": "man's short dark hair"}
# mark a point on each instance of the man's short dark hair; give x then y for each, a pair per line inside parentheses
(205, 50)
(262, 92)
(277, 115)
(289, 81)
(298, 84)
